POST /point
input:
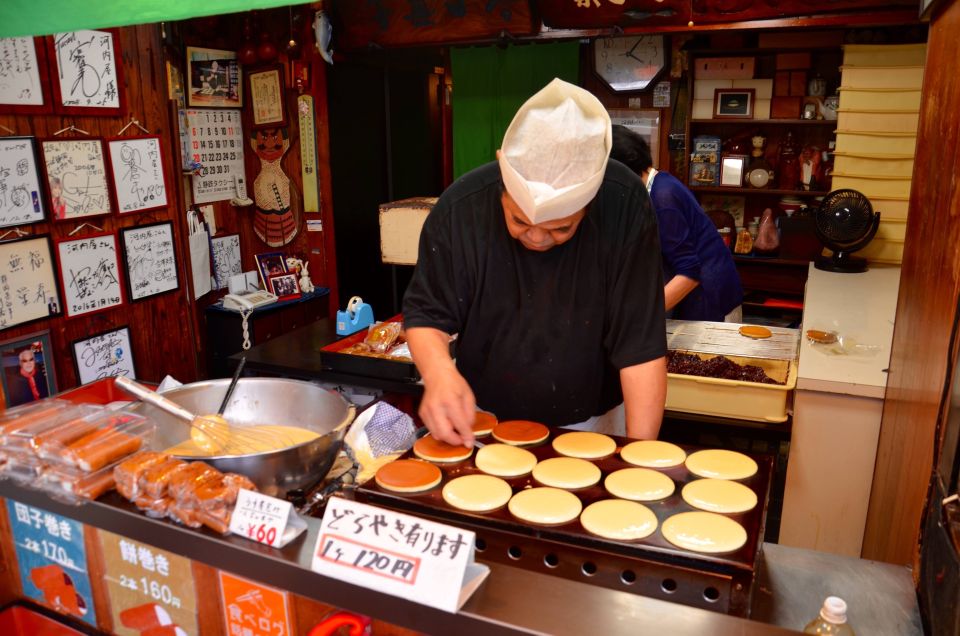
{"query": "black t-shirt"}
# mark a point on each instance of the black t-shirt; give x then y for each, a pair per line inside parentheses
(542, 334)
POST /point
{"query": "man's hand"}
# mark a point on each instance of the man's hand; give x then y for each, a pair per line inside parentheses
(448, 407)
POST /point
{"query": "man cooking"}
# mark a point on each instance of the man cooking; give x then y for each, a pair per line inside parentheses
(547, 265)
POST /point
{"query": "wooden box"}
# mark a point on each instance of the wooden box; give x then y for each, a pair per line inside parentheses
(791, 61)
(725, 68)
(785, 107)
(798, 83)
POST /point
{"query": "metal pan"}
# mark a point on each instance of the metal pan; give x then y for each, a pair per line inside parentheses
(264, 401)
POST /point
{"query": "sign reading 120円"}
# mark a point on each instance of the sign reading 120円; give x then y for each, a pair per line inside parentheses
(215, 142)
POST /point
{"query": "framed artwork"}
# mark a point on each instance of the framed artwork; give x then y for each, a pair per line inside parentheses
(150, 260)
(270, 264)
(23, 76)
(139, 181)
(214, 78)
(76, 175)
(267, 97)
(88, 72)
(90, 274)
(26, 267)
(21, 198)
(225, 254)
(733, 103)
(732, 168)
(284, 286)
(645, 123)
(104, 355)
(28, 369)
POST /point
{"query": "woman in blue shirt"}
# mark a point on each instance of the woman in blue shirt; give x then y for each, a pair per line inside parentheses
(702, 282)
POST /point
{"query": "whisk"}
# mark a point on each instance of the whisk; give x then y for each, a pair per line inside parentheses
(211, 433)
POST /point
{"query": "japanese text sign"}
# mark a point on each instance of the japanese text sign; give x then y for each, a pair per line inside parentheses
(252, 609)
(52, 560)
(148, 588)
(265, 519)
(398, 554)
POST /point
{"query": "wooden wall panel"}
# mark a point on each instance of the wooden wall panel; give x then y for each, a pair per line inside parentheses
(929, 286)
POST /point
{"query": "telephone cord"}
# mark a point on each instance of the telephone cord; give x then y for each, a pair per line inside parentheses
(246, 328)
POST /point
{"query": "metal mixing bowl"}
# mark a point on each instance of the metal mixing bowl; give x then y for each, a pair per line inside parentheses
(264, 401)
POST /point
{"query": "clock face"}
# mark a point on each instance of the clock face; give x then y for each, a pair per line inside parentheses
(629, 62)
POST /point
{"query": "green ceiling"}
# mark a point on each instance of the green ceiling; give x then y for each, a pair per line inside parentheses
(42, 17)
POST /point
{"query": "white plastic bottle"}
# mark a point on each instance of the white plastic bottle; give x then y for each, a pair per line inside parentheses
(832, 619)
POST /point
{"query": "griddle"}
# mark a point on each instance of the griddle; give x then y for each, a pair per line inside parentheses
(649, 567)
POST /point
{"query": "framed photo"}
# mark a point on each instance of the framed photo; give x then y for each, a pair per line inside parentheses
(90, 274)
(214, 78)
(733, 103)
(284, 286)
(89, 73)
(267, 97)
(28, 369)
(23, 201)
(23, 75)
(26, 267)
(139, 182)
(76, 175)
(269, 264)
(732, 168)
(150, 258)
(104, 355)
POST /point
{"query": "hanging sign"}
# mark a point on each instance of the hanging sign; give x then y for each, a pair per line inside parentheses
(52, 560)
(253, 609)
(265, 519)
(308, 154)
(397, 554)
(148, 588)
(215, 142)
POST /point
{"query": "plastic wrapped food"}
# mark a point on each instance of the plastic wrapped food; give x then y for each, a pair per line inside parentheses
(382, 336)
(186, 481)
(154, 480)
(90, 486)
(155, 507)
(127, 473)
(183, 515)
(93, 453)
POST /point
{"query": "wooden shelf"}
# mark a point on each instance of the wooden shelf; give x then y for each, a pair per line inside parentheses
(730, 190)
(760, 122)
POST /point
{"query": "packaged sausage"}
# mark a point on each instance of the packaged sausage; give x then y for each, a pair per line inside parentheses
(29, 414)
(23, 429)
(154, 480)
(155, 508)
(185, 481)
(127, 473)
(182, 515)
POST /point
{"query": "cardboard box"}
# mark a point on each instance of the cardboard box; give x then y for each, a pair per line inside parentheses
(791, 61)
(724, 68)
(704, 88)
(786, 107)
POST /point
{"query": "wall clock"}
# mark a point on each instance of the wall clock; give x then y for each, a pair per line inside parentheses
(629, 62)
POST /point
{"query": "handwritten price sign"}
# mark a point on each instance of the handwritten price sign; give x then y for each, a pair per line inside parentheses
(264, 519)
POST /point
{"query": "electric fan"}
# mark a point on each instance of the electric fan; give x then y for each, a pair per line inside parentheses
(845, 222)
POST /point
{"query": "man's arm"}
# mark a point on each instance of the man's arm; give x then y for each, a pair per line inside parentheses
(677, 289)
(448, 407)
(644, 395)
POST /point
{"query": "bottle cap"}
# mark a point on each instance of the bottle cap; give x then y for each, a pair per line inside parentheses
(834, 610)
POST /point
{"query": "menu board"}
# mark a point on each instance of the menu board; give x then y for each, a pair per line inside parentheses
(215, 143)
(253, 609)
(28, 290)
(148, 588)
(52, 560)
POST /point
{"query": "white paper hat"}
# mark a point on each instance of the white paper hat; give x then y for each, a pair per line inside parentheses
(555, 151)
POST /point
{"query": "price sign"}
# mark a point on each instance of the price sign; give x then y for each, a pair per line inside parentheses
(253, 609)
(398, 554)
(148, 588)
(52, 560)
(265, 519)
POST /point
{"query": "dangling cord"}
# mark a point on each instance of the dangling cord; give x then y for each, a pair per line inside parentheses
(246, 329)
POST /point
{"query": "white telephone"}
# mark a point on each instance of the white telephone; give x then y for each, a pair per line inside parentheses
(248, 301)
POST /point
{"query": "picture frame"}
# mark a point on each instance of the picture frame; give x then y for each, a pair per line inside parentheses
(20, 178)
(27, 264)
(269, 264)
(87, 72)
(104, 355)
(732, 169)
(32, 354)
(284, 286)
(75, 171)
(645, 123)
(733, 103)
(225, 256)
(90, 275)
(23, 71)
(150, 260)
(138, 174)
(267, 97)
(214, 78)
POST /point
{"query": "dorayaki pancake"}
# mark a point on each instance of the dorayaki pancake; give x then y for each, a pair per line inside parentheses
(753, 331)
(484, 423)
(432, 449)
(566, 472)
(719, 495)
(477, 493)
(639, 484)
(705, 532)
(585, 445)
(651, 453)
(504, 460)
(408, 475)
(520, 432)
(717, 463)
(619, 520)
(545, 506)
